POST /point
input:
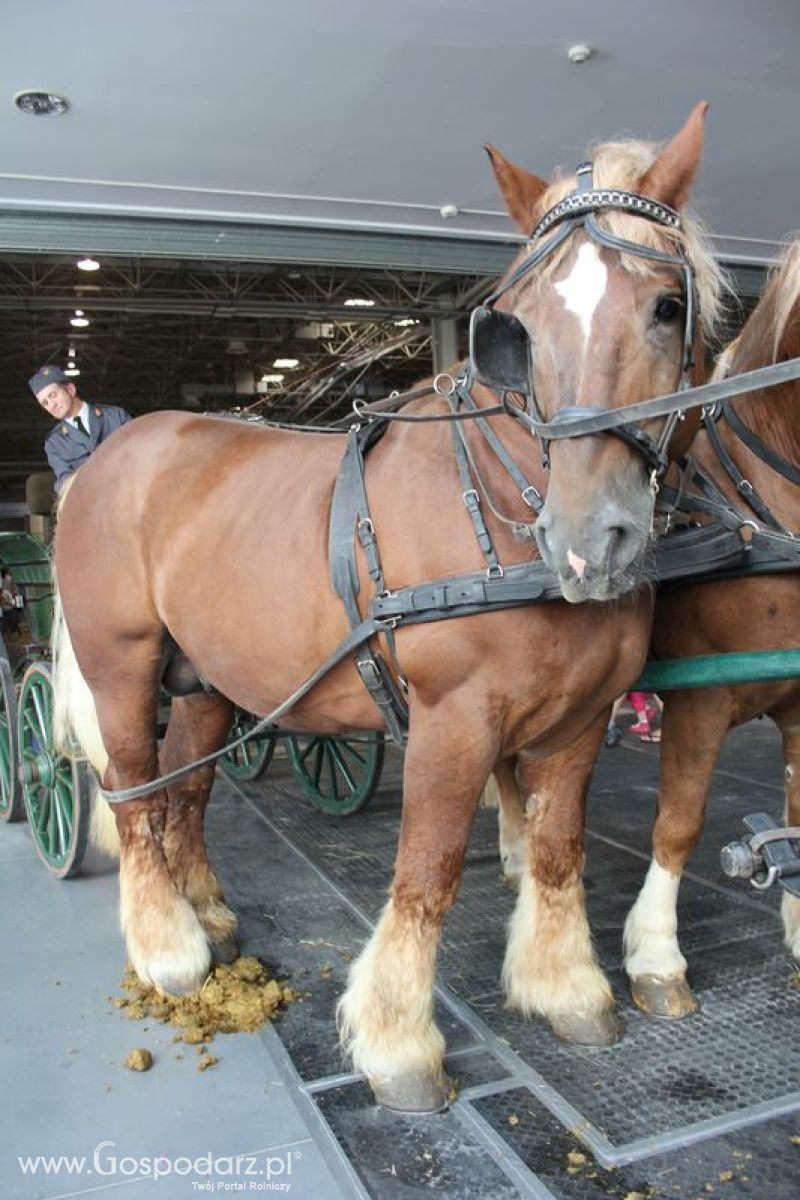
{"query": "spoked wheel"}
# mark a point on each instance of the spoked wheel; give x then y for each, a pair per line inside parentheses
(11, 806)
(251, 758)
(56, 790)
(339, 775)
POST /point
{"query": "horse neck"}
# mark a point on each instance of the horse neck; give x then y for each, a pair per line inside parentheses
(771, 335)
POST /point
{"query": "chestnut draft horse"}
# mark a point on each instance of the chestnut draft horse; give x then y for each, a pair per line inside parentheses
(756, 613)
(175, 499)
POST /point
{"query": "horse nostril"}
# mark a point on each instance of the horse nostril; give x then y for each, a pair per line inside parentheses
(540, 532)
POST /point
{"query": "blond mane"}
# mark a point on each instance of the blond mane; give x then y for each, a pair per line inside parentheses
(786, 278)
(772, 331)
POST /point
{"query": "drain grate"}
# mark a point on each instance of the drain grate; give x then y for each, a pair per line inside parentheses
(758, 1162)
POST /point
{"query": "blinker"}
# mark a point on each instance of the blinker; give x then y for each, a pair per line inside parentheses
(499, 348)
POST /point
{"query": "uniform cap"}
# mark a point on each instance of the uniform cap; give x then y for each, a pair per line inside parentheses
(46, 375)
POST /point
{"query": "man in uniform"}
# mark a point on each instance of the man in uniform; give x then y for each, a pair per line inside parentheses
(81, 427)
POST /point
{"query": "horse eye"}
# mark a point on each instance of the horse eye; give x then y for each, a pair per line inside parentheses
(667, 309)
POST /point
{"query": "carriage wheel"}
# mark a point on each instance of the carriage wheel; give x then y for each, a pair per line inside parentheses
(251, 758)
(55, 789)
(11, 806)
(339, 775)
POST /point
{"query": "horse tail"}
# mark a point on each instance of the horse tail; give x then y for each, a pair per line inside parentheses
(76, 730)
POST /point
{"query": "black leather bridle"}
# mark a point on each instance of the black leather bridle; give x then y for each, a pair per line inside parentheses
(501, 349)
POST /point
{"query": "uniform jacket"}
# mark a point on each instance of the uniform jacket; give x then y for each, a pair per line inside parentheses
(67, 448)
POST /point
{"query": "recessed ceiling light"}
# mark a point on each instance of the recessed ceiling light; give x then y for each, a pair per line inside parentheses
(580, 53)
(71, 365)
(88, 264)
(288, 363)
(40, 104)
(79, 322)
(359, 302)
(72, 371)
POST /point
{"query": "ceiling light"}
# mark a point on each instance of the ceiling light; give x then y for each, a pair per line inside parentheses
(72, 371)
(288, 363)
(406, 321)
(71, 365)
(88, 264)
(40, 104)
(270, 378)
(79, 322)
(359, 302)
(580, 53)
(71, 352)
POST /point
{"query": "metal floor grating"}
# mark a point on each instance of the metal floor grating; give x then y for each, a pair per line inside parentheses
(668, 1091)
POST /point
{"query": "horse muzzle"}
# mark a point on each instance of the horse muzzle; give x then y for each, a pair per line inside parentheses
(600, 560)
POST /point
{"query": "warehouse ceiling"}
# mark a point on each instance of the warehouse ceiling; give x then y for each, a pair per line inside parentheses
(242, 170)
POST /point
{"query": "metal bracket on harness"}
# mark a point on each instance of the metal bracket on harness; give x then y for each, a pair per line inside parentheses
(379, 683)
(771, 854)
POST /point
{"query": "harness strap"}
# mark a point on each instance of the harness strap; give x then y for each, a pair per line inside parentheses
(471, 496)
(654, 455)
(603, 420)
(743, 486)
(754, 443)
(685, 555)
(362, 633)
(350, 515)
(530, 495)
(711, 501)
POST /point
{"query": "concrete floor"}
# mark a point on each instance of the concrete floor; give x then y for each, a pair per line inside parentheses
(65, 1092)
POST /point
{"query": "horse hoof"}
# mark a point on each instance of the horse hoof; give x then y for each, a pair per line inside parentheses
(671, 998)
(416, 1093)
(587, 1029)
(225, 951)
(177, 978)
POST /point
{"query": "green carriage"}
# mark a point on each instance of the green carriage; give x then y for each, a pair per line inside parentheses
(37, 782)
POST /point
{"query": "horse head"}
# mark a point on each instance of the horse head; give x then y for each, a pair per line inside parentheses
(598, 313)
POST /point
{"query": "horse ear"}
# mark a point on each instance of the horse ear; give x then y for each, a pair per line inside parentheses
(521, 190)
(670, 177)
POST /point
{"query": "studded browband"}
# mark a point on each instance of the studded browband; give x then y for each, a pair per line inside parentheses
(581, 203)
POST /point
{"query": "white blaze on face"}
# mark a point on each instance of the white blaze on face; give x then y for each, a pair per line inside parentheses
(585, 286)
